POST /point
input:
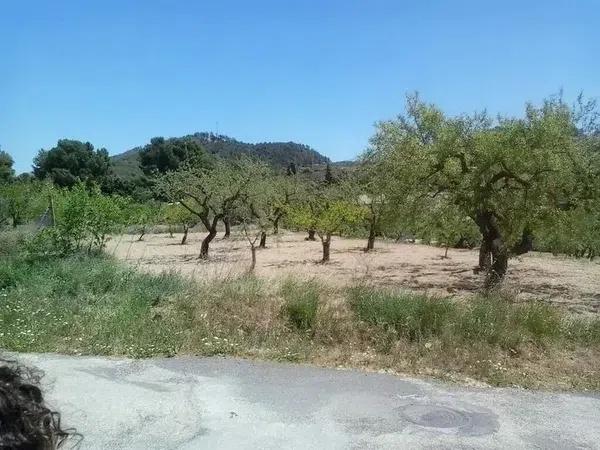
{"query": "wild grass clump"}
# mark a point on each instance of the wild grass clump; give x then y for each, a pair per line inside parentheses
(12, 240)
(489, 320)
(301, 303)
(410, 315)
(84, 304)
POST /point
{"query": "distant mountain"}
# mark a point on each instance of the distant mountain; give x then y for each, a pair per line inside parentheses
(277, 154)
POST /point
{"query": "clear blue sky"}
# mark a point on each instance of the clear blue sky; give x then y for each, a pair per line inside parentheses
(117, 73)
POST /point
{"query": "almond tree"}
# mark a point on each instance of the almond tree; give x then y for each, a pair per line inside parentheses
(176, 214)
(325, 210)
(209, 194)
(503, 173)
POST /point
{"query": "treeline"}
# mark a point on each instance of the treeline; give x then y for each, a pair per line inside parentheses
(132, 173)
(507, 185)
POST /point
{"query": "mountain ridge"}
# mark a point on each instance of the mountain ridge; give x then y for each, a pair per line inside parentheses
(277, 154)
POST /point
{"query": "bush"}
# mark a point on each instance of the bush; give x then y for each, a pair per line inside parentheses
(301, 302)
(84, 220)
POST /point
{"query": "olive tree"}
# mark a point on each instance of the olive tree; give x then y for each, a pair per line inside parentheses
(501, 173)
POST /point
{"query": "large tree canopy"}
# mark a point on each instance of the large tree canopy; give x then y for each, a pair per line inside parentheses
(504, 174)
(6, 167)
(72, 161)
(164, 155)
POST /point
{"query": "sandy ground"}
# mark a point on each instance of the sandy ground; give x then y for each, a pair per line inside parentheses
(570, 283)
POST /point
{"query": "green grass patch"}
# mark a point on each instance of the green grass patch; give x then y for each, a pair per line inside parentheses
(489, 320)
(410, 315)
(87, 304)
(301, 303)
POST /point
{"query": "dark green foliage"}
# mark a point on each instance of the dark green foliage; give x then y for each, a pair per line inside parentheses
(72, 161)
(279, 155)
(301, 303)
(329, 179)
(6, 167)
(291, 169)
(164, 155)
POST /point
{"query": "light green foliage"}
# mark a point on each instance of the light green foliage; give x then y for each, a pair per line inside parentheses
(142, 216)
(325, 210)
(267, 199)
(574, 232)
(84, 218)
(22, 201)
(445, 224)
(174, 214)
(385, 200)
(210, 194)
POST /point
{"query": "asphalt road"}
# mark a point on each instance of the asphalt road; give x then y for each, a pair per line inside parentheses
(217, 403)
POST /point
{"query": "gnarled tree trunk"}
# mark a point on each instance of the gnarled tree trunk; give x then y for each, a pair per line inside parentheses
(212, 232)
(186, 229)
(493, 253)
(326, 241)
(371, 240)
(227, 224)
(206, 242)
(263, 239)
(276, 225)
(253, 263)
(525, 244)
(485, 255)
(499, 263)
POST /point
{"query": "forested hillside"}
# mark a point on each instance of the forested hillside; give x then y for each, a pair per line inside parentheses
(278, 154)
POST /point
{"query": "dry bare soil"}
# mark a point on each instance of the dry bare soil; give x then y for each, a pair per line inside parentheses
(572, 284)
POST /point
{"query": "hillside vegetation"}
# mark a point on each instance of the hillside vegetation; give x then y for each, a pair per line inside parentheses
(279, 155)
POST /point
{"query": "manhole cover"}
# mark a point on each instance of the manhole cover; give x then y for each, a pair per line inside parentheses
(435, 416)
(460, 418)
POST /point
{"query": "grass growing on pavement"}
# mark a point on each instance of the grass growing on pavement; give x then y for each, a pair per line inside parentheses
(96, 305)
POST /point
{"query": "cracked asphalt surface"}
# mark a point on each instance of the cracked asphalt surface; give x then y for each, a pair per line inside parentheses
(223, 403)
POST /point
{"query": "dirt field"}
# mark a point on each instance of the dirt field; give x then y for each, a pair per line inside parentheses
(570, 283)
